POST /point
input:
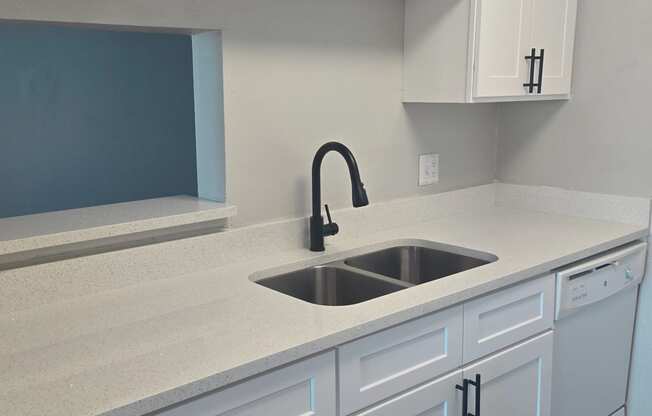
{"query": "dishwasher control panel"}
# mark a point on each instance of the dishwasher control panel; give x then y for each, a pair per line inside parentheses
(598, 278)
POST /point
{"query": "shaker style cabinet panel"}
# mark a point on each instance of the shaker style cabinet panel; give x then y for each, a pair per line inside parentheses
(502, 38)
(306, 388)
(553, 31)
(488, 50)
(379, 366)
(508, 316)
(516, 381)
(437, 398)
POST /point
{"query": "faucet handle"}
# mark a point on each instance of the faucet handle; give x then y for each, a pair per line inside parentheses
(328, 214)
(331, 228)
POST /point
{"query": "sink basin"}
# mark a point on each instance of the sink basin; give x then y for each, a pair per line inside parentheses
(415, 264)
(378, 273)
(330, 285)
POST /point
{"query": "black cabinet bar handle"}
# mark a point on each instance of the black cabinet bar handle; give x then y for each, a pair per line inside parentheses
(540, 83)
(532, 58)
(478, 385)
(465, 396)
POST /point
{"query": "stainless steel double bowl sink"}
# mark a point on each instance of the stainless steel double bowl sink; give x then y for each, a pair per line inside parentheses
(379, 272)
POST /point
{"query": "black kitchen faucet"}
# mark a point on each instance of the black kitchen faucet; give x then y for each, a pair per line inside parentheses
(318, 230)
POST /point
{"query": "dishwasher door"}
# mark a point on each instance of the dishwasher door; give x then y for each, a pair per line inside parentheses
(596, 309)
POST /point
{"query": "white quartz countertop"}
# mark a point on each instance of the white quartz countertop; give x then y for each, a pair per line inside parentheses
(136, 349)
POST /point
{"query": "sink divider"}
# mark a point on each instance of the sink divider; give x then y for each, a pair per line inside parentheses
(340, 264)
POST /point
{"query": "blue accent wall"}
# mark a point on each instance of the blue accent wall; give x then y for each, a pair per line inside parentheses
(90, 117)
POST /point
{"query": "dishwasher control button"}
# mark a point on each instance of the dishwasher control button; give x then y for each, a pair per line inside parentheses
(628, 274)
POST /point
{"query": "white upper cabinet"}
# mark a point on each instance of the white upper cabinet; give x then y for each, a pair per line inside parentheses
(553, 30)
(488, 50)
(502, 44)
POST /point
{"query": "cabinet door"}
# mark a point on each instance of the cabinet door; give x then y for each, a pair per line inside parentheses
(553, 29)
(502, 40)
(437, 398)
(516, 381)
(508, 316)
(303, 389)
(379, 366)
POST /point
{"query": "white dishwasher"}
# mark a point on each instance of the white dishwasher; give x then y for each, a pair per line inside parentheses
(595, 313)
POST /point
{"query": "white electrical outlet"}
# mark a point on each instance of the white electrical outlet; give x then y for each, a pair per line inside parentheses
(428, 169)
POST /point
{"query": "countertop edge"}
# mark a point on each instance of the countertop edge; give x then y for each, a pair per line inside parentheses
(85, 228)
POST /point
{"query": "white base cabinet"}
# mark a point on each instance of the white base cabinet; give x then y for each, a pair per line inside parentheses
(501, 319)
(514, 382)
(437, 398)
(389, 362)
(306, 388)
(517, 381)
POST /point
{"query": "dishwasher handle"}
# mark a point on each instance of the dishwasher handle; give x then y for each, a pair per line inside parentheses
(598, 278)
(596, 263)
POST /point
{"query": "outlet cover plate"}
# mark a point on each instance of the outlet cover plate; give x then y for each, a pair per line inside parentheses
(428, 169)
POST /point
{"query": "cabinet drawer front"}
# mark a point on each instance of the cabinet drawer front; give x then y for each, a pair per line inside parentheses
(437, 398)
(504, 318)
(303, 389)
(391, 361)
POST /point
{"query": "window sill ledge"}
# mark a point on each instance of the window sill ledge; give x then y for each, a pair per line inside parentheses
(61, 234)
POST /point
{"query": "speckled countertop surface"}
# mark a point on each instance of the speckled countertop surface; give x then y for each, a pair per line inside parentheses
(31, 233)
(139, 348)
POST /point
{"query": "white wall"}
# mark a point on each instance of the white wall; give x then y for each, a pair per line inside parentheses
(600, 141)
(298, 72)
(324, 70)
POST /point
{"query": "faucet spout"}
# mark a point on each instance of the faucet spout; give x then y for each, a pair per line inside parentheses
(358, 194)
